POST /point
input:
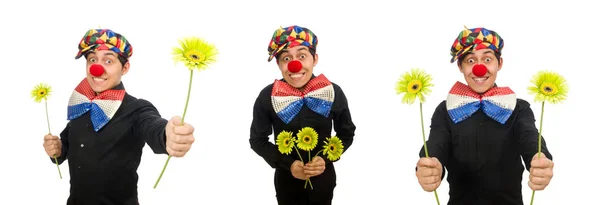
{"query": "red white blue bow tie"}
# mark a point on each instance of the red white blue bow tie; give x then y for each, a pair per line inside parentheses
(318, 95)
(498, 103)
(102, 107)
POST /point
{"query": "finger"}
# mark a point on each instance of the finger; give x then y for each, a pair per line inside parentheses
(314, 168)
(180, 147)
(174, 153)
(540, 180)
(183, 130)
(428, 180)
(182, 139)
(541, 163)
(426, 172)
(50, 137)
(311, 173)
(425, 162)
(431, 187)
(535, 186)
(428, 162)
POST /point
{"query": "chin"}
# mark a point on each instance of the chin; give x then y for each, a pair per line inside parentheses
(480, 88)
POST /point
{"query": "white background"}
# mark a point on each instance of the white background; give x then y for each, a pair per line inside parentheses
(364, 47)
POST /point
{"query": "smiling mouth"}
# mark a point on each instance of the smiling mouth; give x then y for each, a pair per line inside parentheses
(96, 79)
(480, 79)
(297, 76)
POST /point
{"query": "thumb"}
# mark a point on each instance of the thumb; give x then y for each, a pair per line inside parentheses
(176, 120)
(541, 155)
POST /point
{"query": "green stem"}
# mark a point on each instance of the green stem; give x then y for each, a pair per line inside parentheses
(57, 167)
(187, 100)
(299, 155)
(539, 145)
(163, 171)
(423, 131)
(425, 145)
(47, 118)
(307, 180)
(49, 132)
(319, 152)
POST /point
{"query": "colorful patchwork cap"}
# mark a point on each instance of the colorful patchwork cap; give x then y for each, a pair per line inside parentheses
(104, 39)
(289, 37)
(475, 39)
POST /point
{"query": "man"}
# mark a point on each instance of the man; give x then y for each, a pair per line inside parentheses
(107, 127)
(481, 132)
(277, 109)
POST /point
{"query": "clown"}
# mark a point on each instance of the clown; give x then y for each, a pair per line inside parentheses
(108, 128)
(300, 99)
(482, 134)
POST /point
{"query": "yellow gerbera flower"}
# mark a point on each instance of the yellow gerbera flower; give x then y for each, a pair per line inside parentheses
(195, 53)
(333, 148)
(285, 142)
(415, 83)
(548, 86)
(41, 92)
(307, 139)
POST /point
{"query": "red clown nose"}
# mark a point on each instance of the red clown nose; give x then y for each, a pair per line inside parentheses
(96, 70)
(294, 66)
(479, 70)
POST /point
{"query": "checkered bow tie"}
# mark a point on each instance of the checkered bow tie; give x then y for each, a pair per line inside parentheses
(102, 107)
(498, 103)
(318, 96)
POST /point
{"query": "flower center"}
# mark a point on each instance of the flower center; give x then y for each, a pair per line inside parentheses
(286, 142)
(195, 56)
(42, 92)
(332, 147)
(549, 89)
(414, 86)
(306, 139)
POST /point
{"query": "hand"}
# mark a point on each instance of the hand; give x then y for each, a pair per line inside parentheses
(297, 170)
(429, 173)
(541, 172)
(52, 145)
(179, 137)
(315, 167)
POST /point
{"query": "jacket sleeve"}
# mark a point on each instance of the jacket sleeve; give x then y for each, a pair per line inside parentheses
(342, 121)
(438, 144)
(528, 135)
(260, 130)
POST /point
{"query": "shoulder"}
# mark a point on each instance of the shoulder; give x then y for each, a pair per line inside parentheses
(336, 87)
(441, 106)
(522, 105)
(265, 93)
(134, 104)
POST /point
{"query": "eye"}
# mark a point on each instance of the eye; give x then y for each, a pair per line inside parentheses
(471, 61)
(488, 59)
(302, 56)
(93, 60)
(108, 61)
(286, 59)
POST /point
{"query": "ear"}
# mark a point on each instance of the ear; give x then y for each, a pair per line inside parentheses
(316, 59)
(500, 61)
(459, 67)
(125, 68)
